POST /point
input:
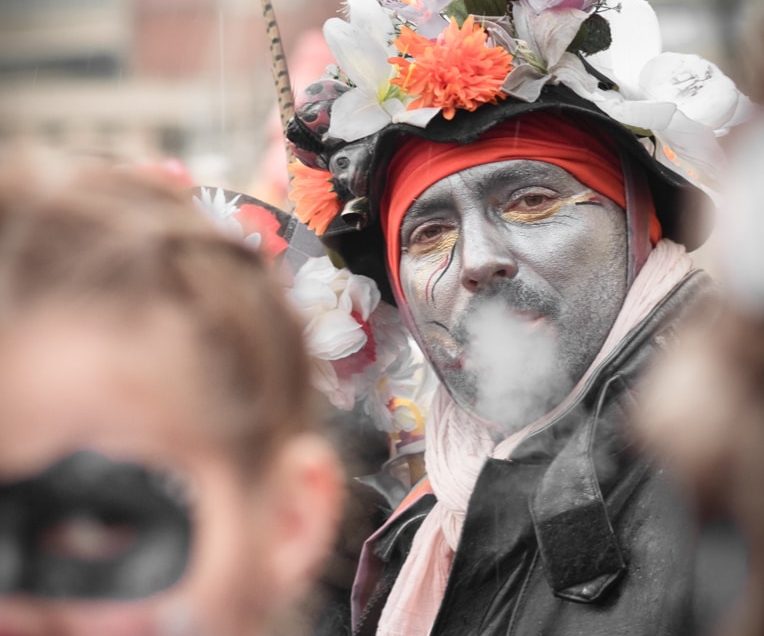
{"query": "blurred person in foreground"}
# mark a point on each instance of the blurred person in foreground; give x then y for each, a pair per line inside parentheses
(159, 469)
(514, 185)
(703, 411)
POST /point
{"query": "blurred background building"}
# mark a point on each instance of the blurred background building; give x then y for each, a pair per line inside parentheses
(145, 79)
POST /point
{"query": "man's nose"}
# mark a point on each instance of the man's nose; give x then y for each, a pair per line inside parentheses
(486, 255)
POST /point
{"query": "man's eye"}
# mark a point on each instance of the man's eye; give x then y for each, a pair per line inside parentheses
(532, 202)
(428, 233)
(532, 206)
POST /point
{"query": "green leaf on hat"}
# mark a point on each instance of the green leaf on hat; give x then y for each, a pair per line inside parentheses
(460, 9)
(593, 36)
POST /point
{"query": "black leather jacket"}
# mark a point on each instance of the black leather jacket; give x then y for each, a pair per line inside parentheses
(579, 533)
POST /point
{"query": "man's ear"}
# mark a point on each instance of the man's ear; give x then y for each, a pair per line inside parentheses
(305, 500)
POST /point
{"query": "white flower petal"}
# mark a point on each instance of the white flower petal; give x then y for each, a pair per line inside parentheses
(357, 114)
(363, 58)
(553, 31)
(218, 202)
(418, 117)
(361, 295)
(373, 20)
(570, 71)
(522, 19)
(393, 107)
(636, 40)
(333, 335)
(698, 88)
(525, 83)
(319, 270)
(313, 300)
(648, 115)
(340, 394)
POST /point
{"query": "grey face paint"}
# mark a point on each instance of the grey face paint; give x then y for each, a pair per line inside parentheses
(91, 527)
(525, 236)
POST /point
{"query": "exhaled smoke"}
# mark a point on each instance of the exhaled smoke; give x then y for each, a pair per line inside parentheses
(514, 361)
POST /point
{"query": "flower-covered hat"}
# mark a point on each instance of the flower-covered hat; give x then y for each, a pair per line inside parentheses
(449, 71)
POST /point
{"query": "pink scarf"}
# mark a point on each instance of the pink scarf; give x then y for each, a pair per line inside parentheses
(458, 445)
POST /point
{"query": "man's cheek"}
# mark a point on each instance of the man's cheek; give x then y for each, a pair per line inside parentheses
(430, 280)
(414, 284)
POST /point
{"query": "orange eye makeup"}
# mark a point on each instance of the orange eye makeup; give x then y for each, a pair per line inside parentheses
(536, 206)
(432, 239)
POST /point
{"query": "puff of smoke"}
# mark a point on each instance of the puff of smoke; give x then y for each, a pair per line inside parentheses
(515, 365)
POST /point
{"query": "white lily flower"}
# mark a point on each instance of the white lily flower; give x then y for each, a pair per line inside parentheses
(698, 88)
(635, 62)
(544, 36)
(685, 101)
(362, 48)
(547, 33)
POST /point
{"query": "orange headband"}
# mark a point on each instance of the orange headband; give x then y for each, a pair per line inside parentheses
(587, 154)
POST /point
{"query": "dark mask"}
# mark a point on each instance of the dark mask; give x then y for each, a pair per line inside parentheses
(91, 527)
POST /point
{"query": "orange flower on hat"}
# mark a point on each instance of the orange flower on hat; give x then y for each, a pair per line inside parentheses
(457, 70)
(312, 192)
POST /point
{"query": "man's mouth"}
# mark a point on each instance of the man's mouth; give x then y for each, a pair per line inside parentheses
(456, 354)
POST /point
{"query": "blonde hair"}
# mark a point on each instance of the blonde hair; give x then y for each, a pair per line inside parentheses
(111, 238)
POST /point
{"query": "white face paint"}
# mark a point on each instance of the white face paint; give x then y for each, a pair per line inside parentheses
(514, 273)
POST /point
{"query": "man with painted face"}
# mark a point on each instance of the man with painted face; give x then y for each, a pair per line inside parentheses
(533, 245)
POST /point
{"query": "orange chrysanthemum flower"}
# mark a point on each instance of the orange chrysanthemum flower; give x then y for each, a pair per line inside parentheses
(457, 70)
(312, 192)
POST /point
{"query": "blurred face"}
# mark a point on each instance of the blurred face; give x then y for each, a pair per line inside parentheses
(122, 513)
(514, 273)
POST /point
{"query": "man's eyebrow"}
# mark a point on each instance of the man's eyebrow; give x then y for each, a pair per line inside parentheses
(424, 208)
(517, 174)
